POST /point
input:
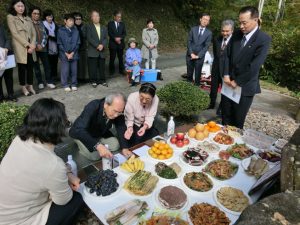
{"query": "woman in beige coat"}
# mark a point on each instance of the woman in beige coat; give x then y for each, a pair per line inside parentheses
(23, 41)
(150, 42)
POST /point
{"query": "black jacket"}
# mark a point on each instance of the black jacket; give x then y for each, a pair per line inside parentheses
(218, 66)
(198, 44)
(92, 125)
(93, 40)
(244, 63)
(4, 41)
(113, 33)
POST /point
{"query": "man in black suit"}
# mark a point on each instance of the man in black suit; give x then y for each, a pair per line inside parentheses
(117, 33)
(220, 47)
(96, 36)
(248, 52)
(198, 42)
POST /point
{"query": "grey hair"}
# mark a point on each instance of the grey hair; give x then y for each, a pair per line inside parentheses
(227, 23)
(110, 98)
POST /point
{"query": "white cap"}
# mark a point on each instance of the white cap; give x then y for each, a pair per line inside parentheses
(70, 157)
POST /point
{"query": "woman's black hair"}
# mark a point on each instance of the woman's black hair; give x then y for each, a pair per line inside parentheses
(48, 12)
(35, 8)
(149, 21)
(77, 14)
(148, 88)
(46, 121)
(11, 10)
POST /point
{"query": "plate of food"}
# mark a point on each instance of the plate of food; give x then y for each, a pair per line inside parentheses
(141, 183)
(161, 151)
(164, 219)
(102, 184)
(168, 172)
(179, 141)
(232, 131)
(199, 132)
(194, 157)
(240, 151)
(232, 200)
(206, 214)
(255, 166)
(223, 139)
(221, 169)
(225, 155)
(270, 156)
(129, 212)
(208, 147)
(197, 182)
(132, 165)
(171, 198)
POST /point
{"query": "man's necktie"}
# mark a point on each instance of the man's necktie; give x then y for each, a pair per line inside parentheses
(243, 42)
(117, 27)
(224, 44)
(200, 32)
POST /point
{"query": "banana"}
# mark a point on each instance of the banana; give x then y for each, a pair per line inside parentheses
(126, 167)
(136, 164)
(133, 164)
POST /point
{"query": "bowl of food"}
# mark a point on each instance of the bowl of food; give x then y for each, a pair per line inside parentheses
(221, 169)
(197, 182)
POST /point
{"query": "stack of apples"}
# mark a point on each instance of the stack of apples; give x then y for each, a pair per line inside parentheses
(199, 132)
(179, 140)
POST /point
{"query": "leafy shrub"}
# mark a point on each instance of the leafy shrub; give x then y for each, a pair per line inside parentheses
(182, 99)
(11, 116)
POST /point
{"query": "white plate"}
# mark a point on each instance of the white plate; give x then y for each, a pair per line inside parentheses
(223, 145)
(94, 196)
(156, 200)
(194, 191)
(223, 207)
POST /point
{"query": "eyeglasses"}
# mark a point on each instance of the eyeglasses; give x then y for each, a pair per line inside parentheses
(78, 18)
(36, 13)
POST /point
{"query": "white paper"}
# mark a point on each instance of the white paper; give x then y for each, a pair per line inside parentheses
(142, 151)
(121, 158)
(232, 93)
(11, 62)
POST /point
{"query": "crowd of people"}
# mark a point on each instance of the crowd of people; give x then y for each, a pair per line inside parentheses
(81, 49)
(38, 188)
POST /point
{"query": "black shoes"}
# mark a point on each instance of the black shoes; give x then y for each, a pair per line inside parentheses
(10, 98)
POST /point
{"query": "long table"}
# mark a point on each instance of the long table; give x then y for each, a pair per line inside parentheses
(101, 205)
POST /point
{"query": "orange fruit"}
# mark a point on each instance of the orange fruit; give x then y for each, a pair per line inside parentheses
(150, 152)
(199, 127)
(206, 127)
(154, 156)
(158, 151)
(192, 132)
(211, 124)
(164, 152)
(169, 155)
(161, 157)
(156, 144)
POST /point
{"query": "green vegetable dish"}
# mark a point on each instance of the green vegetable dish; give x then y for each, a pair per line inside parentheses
(167, 172)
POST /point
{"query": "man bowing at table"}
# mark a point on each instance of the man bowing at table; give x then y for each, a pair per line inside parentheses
(249, 50)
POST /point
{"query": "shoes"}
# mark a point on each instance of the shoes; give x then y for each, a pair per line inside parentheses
(12, 98)
(74, 88)
(31, 90)
(104, 84)
(211, 106)
(51, 86)
(184, 76)
(67, 89)
(94, 85)
(25, 91)
(1, 98)
(133, 84)
(41, 86)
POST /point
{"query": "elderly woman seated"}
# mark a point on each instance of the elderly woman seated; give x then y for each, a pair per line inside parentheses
(36, 186)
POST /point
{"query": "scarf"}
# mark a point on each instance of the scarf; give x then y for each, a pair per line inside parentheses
(50, 28)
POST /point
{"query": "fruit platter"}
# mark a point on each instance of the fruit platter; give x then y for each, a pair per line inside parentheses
(160, 151)
(133, 164)
(179, 140)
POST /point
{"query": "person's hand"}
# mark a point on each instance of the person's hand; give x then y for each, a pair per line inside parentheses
(71, 55)
(194, 56)
(6, 51)
(100, 47)
(32, 46)
(74, 181)
(128, 133)
(142, 130)
(39, 47)
(29, 50)
(126, 152)
(152, 46)
(233, 84)
(135, 62)
(104, 152)
(227, 80)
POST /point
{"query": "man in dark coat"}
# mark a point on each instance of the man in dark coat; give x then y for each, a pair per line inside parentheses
(221, 46)
(248, 52)
(198, 42)
(117, 32)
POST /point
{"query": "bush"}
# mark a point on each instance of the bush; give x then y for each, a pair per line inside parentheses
(182, 99)
(11, 116)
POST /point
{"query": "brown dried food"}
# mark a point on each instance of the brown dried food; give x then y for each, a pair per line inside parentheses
(206, 214)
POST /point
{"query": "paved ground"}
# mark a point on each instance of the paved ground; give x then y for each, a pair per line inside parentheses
(172, 65)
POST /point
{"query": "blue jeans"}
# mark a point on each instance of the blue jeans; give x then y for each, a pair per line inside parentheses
(136, 72)
(68, 69)
(43, 56)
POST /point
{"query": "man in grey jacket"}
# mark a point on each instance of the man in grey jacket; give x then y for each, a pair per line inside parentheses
(198, 42)
(96, 37)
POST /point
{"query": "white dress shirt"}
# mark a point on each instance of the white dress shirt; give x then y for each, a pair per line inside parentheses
(249, 35)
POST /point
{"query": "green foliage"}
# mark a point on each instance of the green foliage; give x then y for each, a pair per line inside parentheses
(11, 116)
(282, 65)
(182, 99)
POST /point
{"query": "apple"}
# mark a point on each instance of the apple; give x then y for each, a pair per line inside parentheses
(179, 144)
(173, 140)
(186, 141)
(180, 136)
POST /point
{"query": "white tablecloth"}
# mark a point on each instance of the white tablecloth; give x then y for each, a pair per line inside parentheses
(100, 206)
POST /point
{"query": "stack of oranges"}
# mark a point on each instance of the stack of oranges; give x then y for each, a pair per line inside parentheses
(213, 127)
(161, 150)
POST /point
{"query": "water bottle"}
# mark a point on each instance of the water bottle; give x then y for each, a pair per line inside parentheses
(72, 164)
(171, 127)
(106, 162)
